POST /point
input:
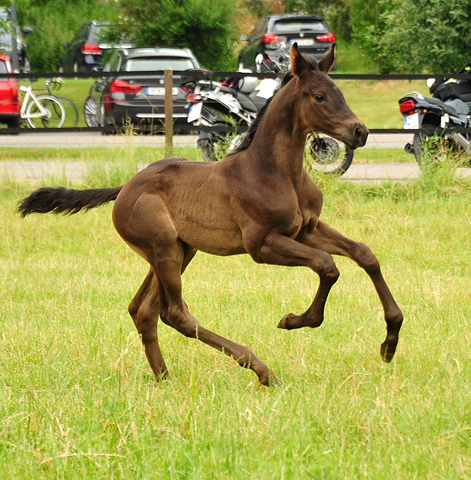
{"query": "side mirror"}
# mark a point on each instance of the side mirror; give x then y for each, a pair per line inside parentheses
(244, 37)
(27, 30)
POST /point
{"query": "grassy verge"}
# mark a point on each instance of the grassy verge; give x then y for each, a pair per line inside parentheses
(77, 399)
(148, 155)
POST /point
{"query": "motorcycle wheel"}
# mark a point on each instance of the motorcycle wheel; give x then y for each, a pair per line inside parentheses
(326, 155)
(430, 149)
(220, 146)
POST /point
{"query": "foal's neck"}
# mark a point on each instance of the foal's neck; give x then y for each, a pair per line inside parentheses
(281, 138)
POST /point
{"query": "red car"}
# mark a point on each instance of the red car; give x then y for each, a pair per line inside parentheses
(10, 104)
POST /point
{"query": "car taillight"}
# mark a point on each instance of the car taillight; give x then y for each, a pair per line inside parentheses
(407, 106)
(121, 86)
(90, 49)
(272, 39)
(193, 98)
(327, 37)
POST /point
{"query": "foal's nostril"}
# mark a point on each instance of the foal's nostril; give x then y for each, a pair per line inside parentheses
(360, 133)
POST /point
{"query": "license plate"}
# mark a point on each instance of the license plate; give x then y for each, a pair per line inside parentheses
(302, 42)
(411, 121)
(159, 91)
(195, 112)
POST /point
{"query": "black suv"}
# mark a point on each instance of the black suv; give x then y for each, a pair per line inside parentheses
(84, 53)
(129, 98)
(310, 32)
(6, 40)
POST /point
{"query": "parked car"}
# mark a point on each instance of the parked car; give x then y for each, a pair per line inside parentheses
(6, 40)
(10, 104)
(85, 52)
(310, 32)
(129, 98)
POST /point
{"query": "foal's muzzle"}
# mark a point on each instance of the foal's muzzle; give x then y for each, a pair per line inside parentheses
(356, 136)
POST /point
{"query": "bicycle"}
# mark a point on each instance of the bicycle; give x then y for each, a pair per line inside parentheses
(71, 111)
(41, 110)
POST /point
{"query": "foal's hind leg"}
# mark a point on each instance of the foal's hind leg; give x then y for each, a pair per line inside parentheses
(329, 240)
(144, 310)
(169, 264)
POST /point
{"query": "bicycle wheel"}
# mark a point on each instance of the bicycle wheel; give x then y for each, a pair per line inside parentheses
(71, 112)
(45, 112)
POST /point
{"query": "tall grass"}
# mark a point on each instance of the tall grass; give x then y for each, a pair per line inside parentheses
(77, 399)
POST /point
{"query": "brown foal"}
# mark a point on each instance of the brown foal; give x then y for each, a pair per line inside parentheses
(259, 201)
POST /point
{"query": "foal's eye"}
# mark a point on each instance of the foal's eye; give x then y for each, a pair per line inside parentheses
(319, 98)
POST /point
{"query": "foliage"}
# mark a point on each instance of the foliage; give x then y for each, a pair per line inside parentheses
(204, 26)
(257, 7)
(414, 36)
(401, 36)
(55, 22)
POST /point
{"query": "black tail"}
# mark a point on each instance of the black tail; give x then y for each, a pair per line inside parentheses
(66, 201)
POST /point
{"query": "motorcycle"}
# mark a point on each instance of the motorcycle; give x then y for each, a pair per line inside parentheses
(440, 118)
(234, 104)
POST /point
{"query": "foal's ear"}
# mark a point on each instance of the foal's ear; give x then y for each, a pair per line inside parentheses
(298, 63)
(326, 64)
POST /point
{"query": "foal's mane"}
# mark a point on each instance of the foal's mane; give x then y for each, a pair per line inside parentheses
(249, 136)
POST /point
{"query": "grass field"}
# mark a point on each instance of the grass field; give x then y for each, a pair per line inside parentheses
(78, 401)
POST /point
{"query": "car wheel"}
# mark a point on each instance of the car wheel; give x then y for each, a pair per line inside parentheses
(90, 112)
(14, 123)
(26, 66)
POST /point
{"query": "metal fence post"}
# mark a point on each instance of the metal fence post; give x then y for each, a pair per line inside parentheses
(168, 112)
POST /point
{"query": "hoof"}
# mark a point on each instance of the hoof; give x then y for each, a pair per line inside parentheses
(271, 381)
(290, 322)
(162, 376)
(387, 352)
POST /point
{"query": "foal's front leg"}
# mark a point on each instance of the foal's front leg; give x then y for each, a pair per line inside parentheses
(325, 238)
(280, 250)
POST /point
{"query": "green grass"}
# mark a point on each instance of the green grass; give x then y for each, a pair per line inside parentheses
(77, 399)
(149, 155)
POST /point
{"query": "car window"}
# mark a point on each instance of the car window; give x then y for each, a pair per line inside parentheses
(113, 63)
(3, 69)
(295, 26)
(99, 33)
(150, 64)
(5, 39)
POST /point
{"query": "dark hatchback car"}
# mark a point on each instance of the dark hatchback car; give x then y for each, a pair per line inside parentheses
(85, 52)
(128, 98)
(310, 32)
(6, 40)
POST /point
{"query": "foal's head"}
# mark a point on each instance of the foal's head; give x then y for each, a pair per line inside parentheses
(321, 105)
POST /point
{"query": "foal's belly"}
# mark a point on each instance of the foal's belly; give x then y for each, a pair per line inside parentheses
(215, 240)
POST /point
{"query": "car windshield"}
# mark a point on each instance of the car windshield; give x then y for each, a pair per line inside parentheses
(295, 26)
(5, 39)
(150, 64)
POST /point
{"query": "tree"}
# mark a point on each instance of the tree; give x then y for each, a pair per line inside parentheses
(55, 22)
(415, 36)
(204, 26)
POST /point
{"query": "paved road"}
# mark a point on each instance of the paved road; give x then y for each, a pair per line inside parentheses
(75, 170)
